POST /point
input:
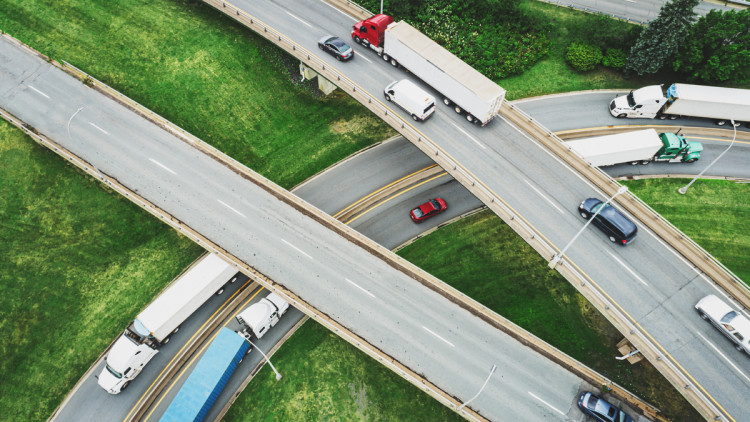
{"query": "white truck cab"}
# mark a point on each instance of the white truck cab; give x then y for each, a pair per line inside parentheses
(264, 314)
(413, 99)
(123, 363)
(644, 102)
(730, 322)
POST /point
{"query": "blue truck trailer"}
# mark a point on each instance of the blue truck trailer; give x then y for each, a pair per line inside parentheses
(209, 377)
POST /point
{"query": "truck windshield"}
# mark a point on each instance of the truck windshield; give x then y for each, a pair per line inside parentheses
(631, 100)
(113, 372)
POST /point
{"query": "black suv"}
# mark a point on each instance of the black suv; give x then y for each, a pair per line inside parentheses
(612, 222)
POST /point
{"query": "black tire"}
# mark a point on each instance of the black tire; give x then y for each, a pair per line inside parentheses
(673, 117)
(738, 347)
(220, 291)
(721, 122)
(176, 330)
(357, 39)
(585, 215)
(338, 57)
(124, 386)
(634, 163)
(166, 340)
(621, 115)
(394, 63)
(691, 160)
(661, 116)
(704, 316)
(387, 97)
(458, 109)
(645, 162)
(234, 279)
(612, 239)
(414, 117)
(320, 46)
(447, 101)
(386, 57)
(470, 118)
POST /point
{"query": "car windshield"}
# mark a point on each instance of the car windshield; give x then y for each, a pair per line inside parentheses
(113, 372)
(631, 100)
(597, 206)
(435, 204)
(417, 212)
(726, 319)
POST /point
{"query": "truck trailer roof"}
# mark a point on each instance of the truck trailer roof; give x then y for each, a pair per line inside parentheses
(618, 148)
(445, 60)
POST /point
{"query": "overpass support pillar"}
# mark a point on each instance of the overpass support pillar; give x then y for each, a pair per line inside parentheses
(323, 84)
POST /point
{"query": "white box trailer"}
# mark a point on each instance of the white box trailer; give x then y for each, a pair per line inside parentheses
(461, 86)
(151, 329)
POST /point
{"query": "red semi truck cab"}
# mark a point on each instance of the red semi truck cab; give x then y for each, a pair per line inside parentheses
(371, 32)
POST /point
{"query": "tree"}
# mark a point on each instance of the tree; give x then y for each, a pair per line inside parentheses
(717, 48)
(659, 43)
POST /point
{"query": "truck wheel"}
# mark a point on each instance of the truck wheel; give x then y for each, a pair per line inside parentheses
(691, 160)
(621, 115)
(721, 122)
(585, 215)
(220, 291)
(394, 63)
(458, 109)
(357, 39)
(661, 117)
(470, 118)
(387, 97)
(166, 340)
(124, 386)
(673, 117)
(386, 57)
(644, 162)
(176, 330)
(447, 101)
(414, 117)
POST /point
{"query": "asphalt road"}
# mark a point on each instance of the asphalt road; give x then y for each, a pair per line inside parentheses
(448, 345)
(655, 286)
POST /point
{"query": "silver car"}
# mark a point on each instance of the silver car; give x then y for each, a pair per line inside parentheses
(730, 322)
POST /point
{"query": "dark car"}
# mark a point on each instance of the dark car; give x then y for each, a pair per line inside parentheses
(429, 209)
(336, 47)
(601, 410)
(612, 222)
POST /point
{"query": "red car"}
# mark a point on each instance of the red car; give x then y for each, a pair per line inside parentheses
(429, 209)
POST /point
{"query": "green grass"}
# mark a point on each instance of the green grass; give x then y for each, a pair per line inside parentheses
(207, 74)
(76, 263)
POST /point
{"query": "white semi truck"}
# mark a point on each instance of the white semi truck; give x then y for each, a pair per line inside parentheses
(641, 146)
(461, 86)
(152, 328)
(711, 102)
(264, 314)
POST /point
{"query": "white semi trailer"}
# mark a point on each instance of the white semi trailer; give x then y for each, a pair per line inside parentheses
(711, 102)
(264, 314)
(152, 328)
(461, 86)
(641, 146)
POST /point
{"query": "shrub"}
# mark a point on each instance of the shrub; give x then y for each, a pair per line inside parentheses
(583, 57)
(615, 58)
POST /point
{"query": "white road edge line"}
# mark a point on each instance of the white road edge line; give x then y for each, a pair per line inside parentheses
(103, 131)
(722, 355)
(39, 92)
(360, 288)
(235, 211)
(433, 333)
(340, 11)
(301, 20)
(162, 166)
(545, 197)
(548, 405)
(296, 248)
(467, 135)
(627, 268)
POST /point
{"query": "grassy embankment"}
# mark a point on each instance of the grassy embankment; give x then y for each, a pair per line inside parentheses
(188, 64)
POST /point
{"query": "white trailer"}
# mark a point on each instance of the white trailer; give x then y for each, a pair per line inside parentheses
(640, 146)
(711, 102)
(261, 316)
(153, 327)
(461, 86)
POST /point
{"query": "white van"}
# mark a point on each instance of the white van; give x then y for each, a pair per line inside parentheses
(413, 99)
(730, 322)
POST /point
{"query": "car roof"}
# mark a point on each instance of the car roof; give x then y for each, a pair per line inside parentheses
(618, 219)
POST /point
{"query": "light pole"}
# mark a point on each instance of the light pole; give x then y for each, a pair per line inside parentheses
(278, 375)
(492, 371)
(556, 258)
(684, 189)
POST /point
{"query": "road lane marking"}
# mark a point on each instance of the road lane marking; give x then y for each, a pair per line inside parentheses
(360, 287)
(226, 205)
(340, 11)
(102, 130)
(288, 13)
(39, 92)
(627, 268)
(544, 197)
(394, 197)
(548, 405)
(433, 333)
(381, 189)
(723, 356)
(364, 58)
(162, 166)
(296, 248)
(467, 135)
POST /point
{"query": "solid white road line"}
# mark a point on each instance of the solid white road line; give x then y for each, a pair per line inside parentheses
(433, 333)
(102, 130)
(545, 197)
(364, 58)
(359, 287)
(627, 268)
(340, 11)
(235, 211)
(467, 135)
(301, 20)
(722, 355)
(162, 166)
(548, 405)
(39, 92)
(296, 248)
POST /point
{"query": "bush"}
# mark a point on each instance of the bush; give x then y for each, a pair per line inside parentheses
(615, 58)
(583, 57)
